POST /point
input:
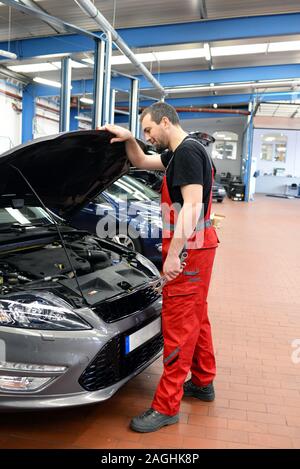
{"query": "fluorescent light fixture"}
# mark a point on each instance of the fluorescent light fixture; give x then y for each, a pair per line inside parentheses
(7, 54)
(207, 53)
(83, 119)
(44, 81)
(74, 64)
(89, 61)
(42, 67)
(86, 100)
(179, 54)
(156, 56)
(284, 46)
(239, 50)
(33, 68)
(220, 136)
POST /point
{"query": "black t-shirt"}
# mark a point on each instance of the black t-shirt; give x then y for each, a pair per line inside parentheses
(189, 164)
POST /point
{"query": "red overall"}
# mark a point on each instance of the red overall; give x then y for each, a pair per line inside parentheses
(186, 327)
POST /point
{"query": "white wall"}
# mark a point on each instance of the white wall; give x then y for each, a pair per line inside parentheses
(266, 182)
(211, 125)
(46, 120)
(10, 118)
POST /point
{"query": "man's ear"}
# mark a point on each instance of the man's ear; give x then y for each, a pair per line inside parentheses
(165, 121)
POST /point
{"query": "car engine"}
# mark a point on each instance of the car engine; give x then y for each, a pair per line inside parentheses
(101, 272)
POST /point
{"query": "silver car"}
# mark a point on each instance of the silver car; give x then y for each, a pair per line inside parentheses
(79, 315)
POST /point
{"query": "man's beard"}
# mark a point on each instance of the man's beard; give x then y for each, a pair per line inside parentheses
(160, 147)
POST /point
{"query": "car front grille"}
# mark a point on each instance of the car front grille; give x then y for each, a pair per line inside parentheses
(116, 309)
(111, 364)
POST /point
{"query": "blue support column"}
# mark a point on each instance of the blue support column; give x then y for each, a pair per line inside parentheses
(28, 113)
(73, 121)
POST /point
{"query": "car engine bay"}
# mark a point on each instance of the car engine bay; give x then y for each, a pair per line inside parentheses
(103, 270)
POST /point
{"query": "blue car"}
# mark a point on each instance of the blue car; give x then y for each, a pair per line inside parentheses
(128, 213)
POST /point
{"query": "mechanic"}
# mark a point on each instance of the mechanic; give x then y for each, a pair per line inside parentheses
(186, 203)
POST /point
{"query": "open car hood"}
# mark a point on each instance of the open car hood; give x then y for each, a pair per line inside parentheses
(65, 170)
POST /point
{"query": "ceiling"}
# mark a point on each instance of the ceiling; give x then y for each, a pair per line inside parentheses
(138, 13)
(133, 13)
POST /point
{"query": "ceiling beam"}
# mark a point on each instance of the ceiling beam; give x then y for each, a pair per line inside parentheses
(45, 17)
(199, 31)
(32, 4)
(227, 75)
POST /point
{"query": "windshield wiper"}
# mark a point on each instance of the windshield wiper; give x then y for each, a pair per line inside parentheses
(18, 228)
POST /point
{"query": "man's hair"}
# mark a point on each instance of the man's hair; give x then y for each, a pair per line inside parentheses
(159, 110)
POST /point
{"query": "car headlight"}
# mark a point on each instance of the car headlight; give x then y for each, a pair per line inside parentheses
(148, 264)
(39, 311)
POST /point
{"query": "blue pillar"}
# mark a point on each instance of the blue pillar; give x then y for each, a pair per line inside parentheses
(28, 113)
(73, 121)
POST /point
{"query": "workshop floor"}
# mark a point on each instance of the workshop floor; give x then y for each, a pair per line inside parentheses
(255, 314)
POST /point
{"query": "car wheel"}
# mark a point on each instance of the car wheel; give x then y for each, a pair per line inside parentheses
(219, 200)
(125, 240)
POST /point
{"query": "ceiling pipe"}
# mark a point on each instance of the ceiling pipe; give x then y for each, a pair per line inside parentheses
(198, 109)
(11, 95)
(213, 111)
(229, 86)
(90, 10)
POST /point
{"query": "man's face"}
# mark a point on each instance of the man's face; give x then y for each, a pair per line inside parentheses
(156, 134)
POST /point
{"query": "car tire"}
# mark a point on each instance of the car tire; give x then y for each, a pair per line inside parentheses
(219, 200)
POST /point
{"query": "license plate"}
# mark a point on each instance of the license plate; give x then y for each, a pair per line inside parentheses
(141, 336)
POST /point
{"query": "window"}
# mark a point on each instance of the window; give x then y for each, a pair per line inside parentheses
(273, 147)
(225, 145)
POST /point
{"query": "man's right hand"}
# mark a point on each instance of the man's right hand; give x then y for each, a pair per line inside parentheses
(121, 134)
(134, 152)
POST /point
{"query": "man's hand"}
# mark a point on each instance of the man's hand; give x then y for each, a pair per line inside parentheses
(172, 267)
(121, 134)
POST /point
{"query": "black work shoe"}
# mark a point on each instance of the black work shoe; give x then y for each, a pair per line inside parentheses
(204, 393)
(151, 420)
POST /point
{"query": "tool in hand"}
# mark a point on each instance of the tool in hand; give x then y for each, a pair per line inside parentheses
(163, 279)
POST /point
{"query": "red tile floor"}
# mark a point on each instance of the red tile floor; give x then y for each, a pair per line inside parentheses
(255, 314)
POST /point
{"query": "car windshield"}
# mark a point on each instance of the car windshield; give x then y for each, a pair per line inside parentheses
(25, 216)
(128, 188)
